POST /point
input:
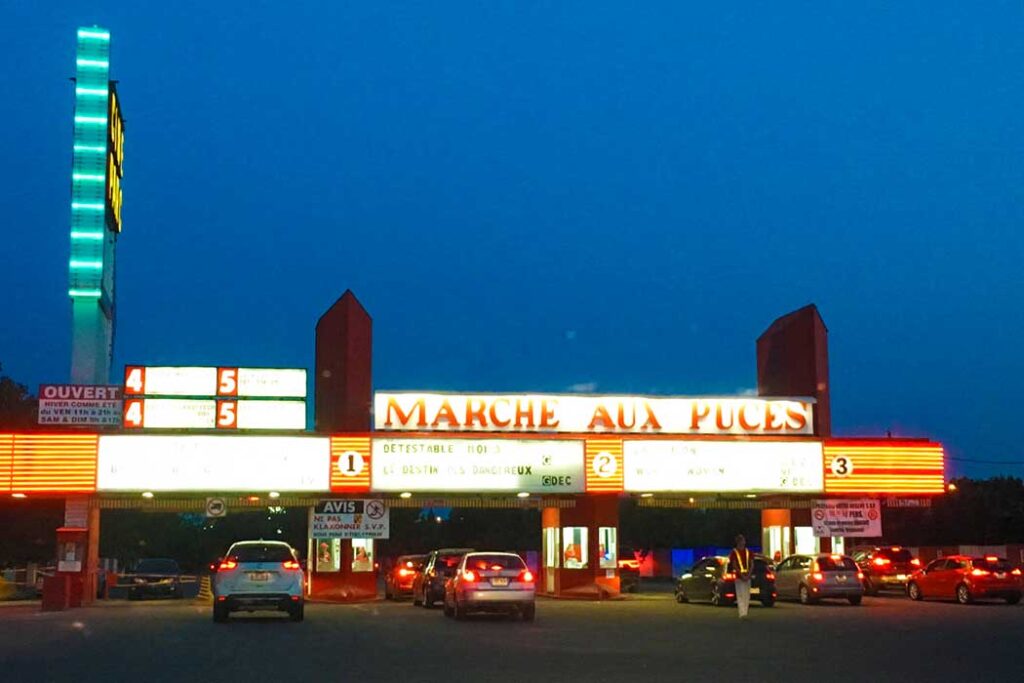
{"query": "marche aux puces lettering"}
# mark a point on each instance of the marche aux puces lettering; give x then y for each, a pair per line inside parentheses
(613, 415)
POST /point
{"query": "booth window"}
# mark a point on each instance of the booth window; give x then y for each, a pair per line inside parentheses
(551, 547)
(328, 554)
(607, 547)
(574, 547)
(362, 555)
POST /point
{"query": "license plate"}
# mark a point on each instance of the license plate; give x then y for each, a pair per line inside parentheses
(259, 576)
(1001, 575)
(499, 581)
(755, 591)
(901, 577)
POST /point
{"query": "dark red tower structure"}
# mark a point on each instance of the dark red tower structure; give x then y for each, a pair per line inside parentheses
(344, 349)
(792, 360)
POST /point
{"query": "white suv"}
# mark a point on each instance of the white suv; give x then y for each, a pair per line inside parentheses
(258, 575)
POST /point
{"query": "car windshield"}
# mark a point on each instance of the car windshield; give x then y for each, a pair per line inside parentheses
(157, 567)
(992, 564)
(898, 555)
(261, 552)
(836, 564)
(495, 562)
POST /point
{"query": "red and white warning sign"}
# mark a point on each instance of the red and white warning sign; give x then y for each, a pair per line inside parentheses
(847, 517)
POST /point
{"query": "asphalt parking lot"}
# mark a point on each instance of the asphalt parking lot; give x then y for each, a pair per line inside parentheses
(647, 637)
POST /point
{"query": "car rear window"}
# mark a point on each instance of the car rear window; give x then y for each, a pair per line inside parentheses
(489, 562)
(840, 564)
(257, 552)
(992, 565)
(411, 561)
(157, 567)
(760, 566)
(900, 555)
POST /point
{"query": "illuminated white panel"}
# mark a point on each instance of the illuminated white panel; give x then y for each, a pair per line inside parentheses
(179, 413)
(723, 466)
(183, 381)
(213, 463)
(275, 382)
(271, 414)
(504, 465)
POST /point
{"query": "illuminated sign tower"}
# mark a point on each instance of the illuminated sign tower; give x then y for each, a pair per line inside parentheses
(96, 172)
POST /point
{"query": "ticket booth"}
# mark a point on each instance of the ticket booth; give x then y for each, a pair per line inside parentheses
(67, 586)
(342, 570)
(580, 549)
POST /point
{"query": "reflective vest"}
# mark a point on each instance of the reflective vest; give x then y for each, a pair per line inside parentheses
(741, 558)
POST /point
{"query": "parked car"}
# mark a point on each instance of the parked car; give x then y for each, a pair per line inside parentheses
(441, 565)
(491, 582)
(398, 582)
(966, 579)
(155, 578)
(886, 568)
(810, 578)
(259, 575)
(710, 579)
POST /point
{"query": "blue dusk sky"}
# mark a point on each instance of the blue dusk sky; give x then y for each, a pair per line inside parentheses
(548, 196)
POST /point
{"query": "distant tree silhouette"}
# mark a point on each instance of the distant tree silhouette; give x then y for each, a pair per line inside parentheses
(18, 407)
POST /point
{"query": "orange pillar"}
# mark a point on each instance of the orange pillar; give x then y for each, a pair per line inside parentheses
(580, 573)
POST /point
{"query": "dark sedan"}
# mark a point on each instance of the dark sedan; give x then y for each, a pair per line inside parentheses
(710, 580)
(154, 578)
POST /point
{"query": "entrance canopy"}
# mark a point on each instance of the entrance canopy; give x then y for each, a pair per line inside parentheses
(465, 463)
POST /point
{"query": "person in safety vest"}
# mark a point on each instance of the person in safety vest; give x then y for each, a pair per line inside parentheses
(741, 561)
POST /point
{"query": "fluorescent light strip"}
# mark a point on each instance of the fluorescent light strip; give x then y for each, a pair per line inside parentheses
(91, 119)
(79, 235)
(97, 63)
(97, 92)
(90, 148)
(85, 293)
(86, 265)
(97, 35)
(77, 206)
(87, 176)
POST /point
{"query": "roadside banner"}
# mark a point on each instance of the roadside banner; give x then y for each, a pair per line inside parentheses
(351, 519)
(847, 517)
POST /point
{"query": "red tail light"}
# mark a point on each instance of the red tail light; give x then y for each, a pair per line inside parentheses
(916, 562)
(290, 564)
(769, 575)
(991, 558)
(860, 575)
(469, 576)
(226, 565)
(404, 572)
(979, 572)
(881, 561)
(526, 576)
(1016, 572)
(818, 576)
(728, 577)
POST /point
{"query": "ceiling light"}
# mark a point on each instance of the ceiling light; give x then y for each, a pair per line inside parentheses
(275, 494)
(522, 494)
(646, 495)
(147, 494)
(18, 495)
(405, 494)
(751, 495)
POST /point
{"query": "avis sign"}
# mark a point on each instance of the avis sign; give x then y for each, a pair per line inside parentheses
(852, 517)
(351, 519)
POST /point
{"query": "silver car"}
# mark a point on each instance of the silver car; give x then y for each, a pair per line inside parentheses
(810, 578)
(491, 582)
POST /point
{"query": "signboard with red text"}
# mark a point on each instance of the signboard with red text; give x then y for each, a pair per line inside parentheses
(578, 414)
